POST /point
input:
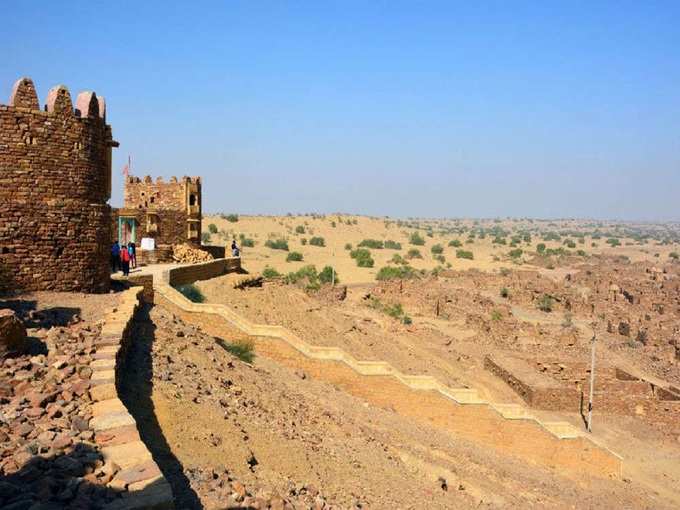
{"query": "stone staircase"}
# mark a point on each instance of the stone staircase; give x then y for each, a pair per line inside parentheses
(560, 431)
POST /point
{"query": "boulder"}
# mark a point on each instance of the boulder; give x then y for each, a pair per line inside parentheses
(12, 333)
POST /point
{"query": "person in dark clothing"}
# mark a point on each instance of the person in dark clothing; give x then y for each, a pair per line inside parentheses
(115, 257)
(235, 252)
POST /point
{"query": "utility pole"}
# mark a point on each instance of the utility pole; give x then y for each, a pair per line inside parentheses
(333, 270)
(592, 382)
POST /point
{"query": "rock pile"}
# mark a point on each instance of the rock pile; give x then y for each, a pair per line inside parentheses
(187, 254)
(12, 333)
(48, 454)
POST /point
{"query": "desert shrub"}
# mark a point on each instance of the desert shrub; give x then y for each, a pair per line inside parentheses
(303, 241)
(294, 256)
(270, 273)
(570, 244)
(395, 273)
(440, 258)
(326, 275)
(191, 292)
(516, 253)
(205, 237)
(505, 271)
(581, 253)
(455, 243)
(317, 241)
(526, 238)
(243, 349)
(499, 240)
(246, 241)
(374, 244)
(613, 242)
(567, 320)
(306, 274)
(437, 249)
(545, 303)
(416, 239)
(392, 245)
(212, 228)
(277, 244)
(233, 218)
(333, 224)
(540, 248)
(348, 246)
(300, 229)
(464, 254)
(363, 257)
(496, 315)
(505, 293)
(398, 259)
(414, 253)
(674, 255)
(393, 310)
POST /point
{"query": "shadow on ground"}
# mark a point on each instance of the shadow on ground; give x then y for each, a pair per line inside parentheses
(135, 389)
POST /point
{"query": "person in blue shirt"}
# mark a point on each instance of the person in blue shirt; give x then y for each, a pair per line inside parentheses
(115, 257)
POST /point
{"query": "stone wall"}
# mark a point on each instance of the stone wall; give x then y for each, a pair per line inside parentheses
(55, 181)
(188, 274)
(167, 228)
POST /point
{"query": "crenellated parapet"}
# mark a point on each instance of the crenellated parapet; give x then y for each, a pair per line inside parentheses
(55, 171)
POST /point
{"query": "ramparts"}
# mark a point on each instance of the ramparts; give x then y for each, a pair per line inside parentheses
(55, 181)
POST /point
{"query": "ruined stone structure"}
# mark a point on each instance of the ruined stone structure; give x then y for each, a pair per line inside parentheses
(168, 212)
(55, 181)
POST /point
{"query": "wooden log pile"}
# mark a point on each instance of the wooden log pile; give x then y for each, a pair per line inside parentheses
(187, 254)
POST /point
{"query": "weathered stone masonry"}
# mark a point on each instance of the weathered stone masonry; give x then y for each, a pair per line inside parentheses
(55, 181)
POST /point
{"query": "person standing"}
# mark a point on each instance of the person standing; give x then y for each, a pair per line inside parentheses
(132, 250)
(115, 257)
(125, 260)
(234, 249)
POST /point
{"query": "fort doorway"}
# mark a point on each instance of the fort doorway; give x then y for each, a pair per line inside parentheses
(127, 230)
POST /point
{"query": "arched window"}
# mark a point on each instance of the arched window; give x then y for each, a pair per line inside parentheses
(192, 199)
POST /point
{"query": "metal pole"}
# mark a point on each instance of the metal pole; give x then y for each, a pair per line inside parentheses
(333, 271)
(592, 383)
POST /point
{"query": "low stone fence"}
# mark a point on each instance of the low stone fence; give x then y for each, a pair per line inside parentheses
(138, 476)
(218, 252)
(204, 271)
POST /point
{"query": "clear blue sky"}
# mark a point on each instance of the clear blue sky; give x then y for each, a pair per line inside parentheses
(540, 109)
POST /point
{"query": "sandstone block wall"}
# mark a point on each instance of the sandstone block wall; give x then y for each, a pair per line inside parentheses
(55, 181)
(189, 274)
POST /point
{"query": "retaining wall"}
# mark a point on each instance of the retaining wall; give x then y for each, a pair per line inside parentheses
(139, 479)
(204, 271)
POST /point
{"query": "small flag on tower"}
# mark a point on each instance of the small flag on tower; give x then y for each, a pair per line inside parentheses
(126, 168)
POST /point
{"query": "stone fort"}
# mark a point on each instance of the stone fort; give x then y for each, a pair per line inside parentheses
(55, 182)
(168, 212)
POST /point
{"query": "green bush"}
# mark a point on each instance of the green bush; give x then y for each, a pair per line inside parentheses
(300, 229)
(348, 246)
(414, 253)
(496, 315)
(294, 256)
(398, 259)
(393, 310)
(277, 244)
(540, 248)
(192, 293)
(243, 349)
(233, 218)
(363, 257)
(440, 258)
(306, 273)
(205, 238)
(392, 245)
(674, 255)
(505, 293)
(374, 244)
(270, 273)
(455, 243)
(516, 253)
(326, 275)
(303, 241)
(212, 228)
(499, 240)
(317, 241)
(437, 249)
(613, 242)
(416, 239)
(246, 242)
(463, 254)
(395, 273)
(545, 303)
